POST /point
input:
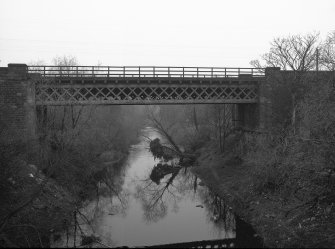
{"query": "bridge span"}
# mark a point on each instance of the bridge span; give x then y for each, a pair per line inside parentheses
(101, 85)
(23, 88)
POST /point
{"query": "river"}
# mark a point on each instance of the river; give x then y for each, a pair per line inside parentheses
(142, 213)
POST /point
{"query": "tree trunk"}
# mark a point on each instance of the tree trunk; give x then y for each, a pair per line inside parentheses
(293, 118)
(195, 119)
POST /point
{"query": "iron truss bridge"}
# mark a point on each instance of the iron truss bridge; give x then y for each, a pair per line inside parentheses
(103, 85)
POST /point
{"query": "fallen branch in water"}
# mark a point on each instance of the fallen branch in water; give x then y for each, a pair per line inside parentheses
(167, 153)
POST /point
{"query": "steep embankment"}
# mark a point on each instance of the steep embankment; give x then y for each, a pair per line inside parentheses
(280, 222)
(35, 206)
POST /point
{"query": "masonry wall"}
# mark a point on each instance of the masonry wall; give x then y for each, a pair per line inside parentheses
(248, 116)
(275, 93)
(17, 105)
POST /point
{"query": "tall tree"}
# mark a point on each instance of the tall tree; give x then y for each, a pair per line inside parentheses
(297, 53)
(294, 52)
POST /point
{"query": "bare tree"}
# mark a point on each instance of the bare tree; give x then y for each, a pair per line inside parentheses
(221, 119)
(327, 58)
(66, 63)
(295, 52)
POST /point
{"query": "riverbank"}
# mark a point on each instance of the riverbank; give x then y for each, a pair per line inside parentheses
(33, 207)
(36, 208)
(280, 222)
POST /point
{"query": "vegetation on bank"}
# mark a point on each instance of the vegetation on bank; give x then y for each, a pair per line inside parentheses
(79, 151)
(281, 179)
(294, 161)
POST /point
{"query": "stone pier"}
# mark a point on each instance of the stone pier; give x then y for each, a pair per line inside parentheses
(17, 105)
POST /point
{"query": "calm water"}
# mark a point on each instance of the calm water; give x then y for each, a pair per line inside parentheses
(144, 213)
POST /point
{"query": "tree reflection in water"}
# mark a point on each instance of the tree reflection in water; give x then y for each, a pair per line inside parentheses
(217, 212)
(112, 199)
(157, 199)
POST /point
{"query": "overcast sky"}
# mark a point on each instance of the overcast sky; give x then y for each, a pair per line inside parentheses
(154, 32)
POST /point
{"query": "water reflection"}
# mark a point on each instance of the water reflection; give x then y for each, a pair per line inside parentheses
(136, 211)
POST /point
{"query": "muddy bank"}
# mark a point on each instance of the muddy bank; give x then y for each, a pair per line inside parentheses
(281, 223)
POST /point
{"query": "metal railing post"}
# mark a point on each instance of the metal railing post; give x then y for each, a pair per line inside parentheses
(153, 69)
(108, 72)
(183, 72)
(44, 71)
(212, 73)
(197, 72)
(124, 71)
(139, 72)
(168, 72)
(92, 71)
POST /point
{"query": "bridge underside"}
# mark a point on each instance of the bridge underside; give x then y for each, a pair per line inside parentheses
(148, 91)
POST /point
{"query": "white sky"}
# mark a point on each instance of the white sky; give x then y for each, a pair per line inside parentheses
(154, 32)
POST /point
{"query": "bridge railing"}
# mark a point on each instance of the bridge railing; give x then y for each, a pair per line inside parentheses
(144, 71)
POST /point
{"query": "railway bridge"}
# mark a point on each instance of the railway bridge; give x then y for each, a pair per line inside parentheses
(23, 87)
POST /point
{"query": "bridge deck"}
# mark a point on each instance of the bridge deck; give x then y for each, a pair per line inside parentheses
(148, 85)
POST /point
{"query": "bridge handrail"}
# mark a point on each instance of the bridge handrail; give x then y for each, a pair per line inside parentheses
(144, 71)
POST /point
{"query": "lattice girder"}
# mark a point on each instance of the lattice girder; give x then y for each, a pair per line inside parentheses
(82, 94)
